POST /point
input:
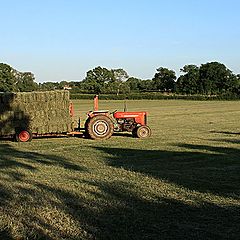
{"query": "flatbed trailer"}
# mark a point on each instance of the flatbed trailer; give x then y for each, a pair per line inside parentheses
(33, 114)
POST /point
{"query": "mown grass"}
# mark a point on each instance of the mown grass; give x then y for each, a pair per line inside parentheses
(182, 183)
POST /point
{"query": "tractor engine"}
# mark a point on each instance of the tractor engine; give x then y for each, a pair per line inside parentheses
(135, 122)
(125, 124)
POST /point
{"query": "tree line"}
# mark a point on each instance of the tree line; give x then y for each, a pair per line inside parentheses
(211, 78)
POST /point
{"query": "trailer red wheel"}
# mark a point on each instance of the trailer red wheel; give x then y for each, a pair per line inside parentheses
(100, 127)
(143, 132)
(24, 136)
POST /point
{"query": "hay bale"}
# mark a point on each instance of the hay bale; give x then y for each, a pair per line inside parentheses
(42, 112)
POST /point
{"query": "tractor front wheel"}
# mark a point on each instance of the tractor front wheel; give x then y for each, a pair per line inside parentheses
(143, 132)
(99, 127)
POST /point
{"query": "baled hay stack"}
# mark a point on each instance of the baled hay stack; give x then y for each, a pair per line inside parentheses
(41, 112)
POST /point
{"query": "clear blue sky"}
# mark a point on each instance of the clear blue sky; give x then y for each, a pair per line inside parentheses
(62, 39)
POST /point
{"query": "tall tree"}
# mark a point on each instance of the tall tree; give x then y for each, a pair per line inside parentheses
(8, 80)
(133, 83)
(48, 86)
(188, 83)
(120, 77)
(146, 85)
(215, 78)
(236, 85)
(164, 79)
(97, 79)
(26, 83)
(12, 80)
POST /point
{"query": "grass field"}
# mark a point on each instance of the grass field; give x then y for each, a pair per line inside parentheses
(182, 183)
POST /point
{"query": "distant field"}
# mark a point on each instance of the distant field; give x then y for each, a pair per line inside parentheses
(182, 183)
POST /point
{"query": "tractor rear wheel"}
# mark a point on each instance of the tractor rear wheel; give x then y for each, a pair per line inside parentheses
(143, 132)
(99, 127)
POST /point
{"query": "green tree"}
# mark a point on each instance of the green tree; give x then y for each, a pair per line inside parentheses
(26, 83)
(188, 83)
(215, 78)
(97, 79)
(48, 86)
(146, 85)
(236, 86)
(134, 83)
(164, 79)
(12, 80)
(120, 77)
(62, 84)
(8, 80)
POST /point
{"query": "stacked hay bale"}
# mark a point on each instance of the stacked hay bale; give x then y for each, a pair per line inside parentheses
(40, 112)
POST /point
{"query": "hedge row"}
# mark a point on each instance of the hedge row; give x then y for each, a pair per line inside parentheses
(156, 96)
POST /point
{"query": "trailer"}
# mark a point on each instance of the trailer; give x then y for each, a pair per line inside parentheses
(35, 114)
(31, 114)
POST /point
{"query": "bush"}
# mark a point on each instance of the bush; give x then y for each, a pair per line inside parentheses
(156, 96)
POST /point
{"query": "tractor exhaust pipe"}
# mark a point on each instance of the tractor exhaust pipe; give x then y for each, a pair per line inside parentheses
(125, 106)
(95, 103)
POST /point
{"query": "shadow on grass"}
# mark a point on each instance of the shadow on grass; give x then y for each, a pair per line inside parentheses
(16, 200)
(116, 210)
(5, 195)
(5, 234)
(226, 132)
(226, 140)
(27, 160)
(123, 134)
(132, 217)
(198, 167)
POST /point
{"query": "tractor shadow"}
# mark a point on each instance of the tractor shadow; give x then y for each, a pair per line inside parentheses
(132, 217)
(124, 134)
(206, 169)
(226, 132)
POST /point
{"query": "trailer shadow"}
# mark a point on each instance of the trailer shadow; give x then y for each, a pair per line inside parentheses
(18, 194)
(27, 160)
(5, 234)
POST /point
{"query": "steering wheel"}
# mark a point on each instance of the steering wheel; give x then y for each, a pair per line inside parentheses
(114, 111)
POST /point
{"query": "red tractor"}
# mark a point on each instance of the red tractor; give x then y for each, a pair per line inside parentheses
(102, 124)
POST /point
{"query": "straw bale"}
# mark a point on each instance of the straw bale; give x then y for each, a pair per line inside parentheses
(42, 112)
